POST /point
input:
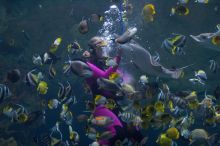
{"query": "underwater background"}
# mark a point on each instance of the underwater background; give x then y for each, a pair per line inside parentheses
(45, 20)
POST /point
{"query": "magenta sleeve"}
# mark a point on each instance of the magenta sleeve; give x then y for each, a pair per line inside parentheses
(98, 73)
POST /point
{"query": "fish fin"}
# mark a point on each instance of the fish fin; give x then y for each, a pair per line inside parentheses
(187, 66)
(174, 143)
(173, 50)
(35, 78)
(212, 138)
(119, 93)
(218, 26)
(187, 11)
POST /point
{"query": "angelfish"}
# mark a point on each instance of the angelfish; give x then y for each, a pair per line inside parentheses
(52, 71)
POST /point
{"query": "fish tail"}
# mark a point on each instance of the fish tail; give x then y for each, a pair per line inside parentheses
(173, 50)
(187, 11)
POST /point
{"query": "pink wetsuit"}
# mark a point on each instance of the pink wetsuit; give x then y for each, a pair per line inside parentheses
(101, 110)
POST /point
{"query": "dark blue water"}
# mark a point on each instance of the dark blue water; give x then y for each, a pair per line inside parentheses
(45, 20)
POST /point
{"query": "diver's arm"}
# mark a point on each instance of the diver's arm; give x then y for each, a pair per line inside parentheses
(97, 72)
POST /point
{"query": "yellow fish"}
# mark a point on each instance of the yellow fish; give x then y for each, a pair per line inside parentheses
(216, 40)
(170, 105)
(173, 133)
(159, 106)
(148, 12)
(114, 76)
(163, 140)
(180, 10)
(55, 45)
(22, 118)
(42, 87)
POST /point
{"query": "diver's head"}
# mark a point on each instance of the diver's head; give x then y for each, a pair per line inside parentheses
(96, 44)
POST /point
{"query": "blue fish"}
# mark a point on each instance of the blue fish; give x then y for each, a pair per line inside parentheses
(175, 44)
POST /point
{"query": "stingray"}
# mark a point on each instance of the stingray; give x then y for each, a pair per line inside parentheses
(144, 61)
(205, 39)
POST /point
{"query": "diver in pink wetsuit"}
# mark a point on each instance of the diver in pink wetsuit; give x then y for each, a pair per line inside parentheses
(116, 128)
(91, 73)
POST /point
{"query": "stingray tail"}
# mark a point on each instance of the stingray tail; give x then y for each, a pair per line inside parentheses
(176, 73)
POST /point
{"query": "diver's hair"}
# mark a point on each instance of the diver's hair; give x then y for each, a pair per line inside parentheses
(91, 41)
(91, 44)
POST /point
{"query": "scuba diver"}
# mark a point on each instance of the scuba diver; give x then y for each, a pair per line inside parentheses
(115, 129)
(90, 71)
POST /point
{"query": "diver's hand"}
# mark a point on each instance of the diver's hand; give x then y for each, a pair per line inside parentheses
(86, 54)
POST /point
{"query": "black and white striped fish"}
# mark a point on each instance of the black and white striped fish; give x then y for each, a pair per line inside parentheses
(68, 89)
(126, 117)
(214, 66)
(161, 96)
(52, 71)
(177, 101)
(61, 91)
(4, 92)
(64, 92)
(31, 79)
(156, 57)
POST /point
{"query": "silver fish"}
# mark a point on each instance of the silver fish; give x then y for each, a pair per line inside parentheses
(200, 136)
(61, 92)
(4, 92)
(37, 60)
(56, 130)
(52, 71)
(196, 81)
(107, 85)
(127, 117)
(74, 47)
(156, 57)
(68, 90)
(95, 143)
(106, 135)
(46, 57)
(53, 103)
(201, 75)
(67, 117)
(143, 79)
(214, 66)
(31, 79)
(177, 101)
(161, 96)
